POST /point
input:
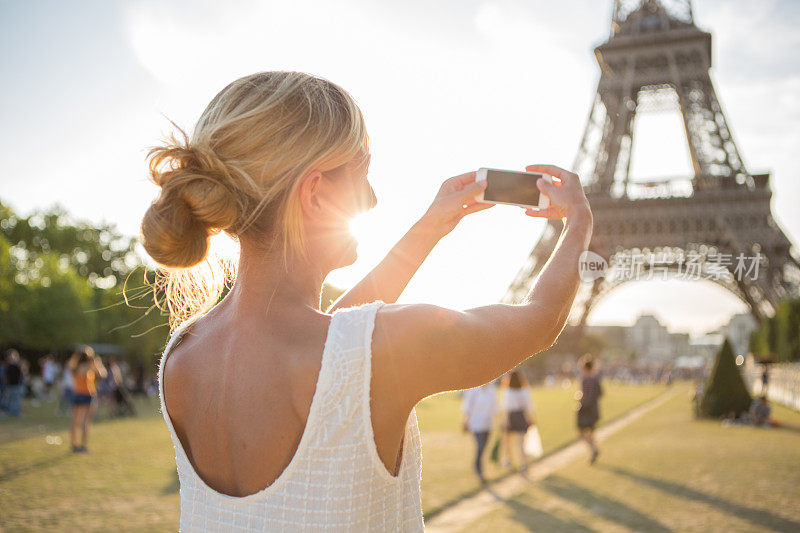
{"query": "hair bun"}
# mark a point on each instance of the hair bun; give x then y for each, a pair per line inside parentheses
(193, 205)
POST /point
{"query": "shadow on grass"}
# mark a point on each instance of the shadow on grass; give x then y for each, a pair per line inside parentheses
(535, 519)
(174, 485)
(11, 473)
(608, 508)
(755, 516)
(538, 520)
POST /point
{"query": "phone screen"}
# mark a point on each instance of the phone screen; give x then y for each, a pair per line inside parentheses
(512, 187)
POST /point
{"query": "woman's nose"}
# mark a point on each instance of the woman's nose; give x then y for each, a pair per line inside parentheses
(373, 201)
(368, 199)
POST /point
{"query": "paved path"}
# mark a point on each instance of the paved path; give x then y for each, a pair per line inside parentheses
(466, 511)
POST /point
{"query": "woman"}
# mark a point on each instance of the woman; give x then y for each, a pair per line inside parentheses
(589, 410)
(85, 367)
(518, 415)
(285, 417)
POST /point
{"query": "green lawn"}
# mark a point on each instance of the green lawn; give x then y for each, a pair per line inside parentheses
(665, 472)
(128, 481)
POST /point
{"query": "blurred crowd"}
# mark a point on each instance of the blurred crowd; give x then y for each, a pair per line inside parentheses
(617, 371)
(53, 382)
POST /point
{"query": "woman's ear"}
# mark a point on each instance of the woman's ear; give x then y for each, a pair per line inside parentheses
(310, 188)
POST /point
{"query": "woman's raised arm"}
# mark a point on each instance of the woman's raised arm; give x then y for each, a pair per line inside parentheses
(455, 200)
(420, 350)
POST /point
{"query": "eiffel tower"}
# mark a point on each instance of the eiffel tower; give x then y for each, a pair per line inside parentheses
(657, 58)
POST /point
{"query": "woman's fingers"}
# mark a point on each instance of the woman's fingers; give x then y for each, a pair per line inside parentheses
(464, 179)
(552, 170)
(553, 192)
(471, 191)
(457, 183)
(546, 187)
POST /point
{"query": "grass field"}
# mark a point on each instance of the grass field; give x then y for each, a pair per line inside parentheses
(669, 472)
(128, 481)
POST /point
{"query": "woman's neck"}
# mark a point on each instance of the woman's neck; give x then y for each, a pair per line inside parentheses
(263, 278)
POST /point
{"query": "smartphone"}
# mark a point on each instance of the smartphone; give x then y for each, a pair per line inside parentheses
(512, 188)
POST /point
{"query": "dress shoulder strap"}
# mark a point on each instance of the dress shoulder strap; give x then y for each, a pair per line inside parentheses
(342, 395)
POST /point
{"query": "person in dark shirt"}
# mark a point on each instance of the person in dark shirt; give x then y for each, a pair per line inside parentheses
(589, 411)
(15, 387)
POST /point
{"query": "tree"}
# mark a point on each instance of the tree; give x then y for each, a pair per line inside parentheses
(127, 316)
(61, 283)
(786, 323)
(759, 342)
(9, 292)
(778, 338)
(725, 392)
(65, 281)
(98, 253)
(55, 306)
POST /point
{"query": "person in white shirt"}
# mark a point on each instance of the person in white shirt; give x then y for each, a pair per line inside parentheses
(479, 407)
(518, 415)
(49, 373)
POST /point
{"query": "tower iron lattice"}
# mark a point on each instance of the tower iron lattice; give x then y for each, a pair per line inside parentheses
(656, 56)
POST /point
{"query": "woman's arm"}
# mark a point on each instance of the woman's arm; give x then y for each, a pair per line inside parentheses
(98, 366)
(425, 349)
(455, 200)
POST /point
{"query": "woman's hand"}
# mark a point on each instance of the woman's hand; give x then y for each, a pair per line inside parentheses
(454, 201)
(566, 196)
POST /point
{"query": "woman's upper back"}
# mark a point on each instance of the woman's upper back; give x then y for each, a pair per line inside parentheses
(232, 389)
(302, 454)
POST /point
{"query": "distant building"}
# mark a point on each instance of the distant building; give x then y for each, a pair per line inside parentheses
(738, 332)
(705, 346)
(679, 344)
(615, 339)
(650, 340)
(651, 343)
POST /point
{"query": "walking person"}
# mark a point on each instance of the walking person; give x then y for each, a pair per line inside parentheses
(14, 376)
(480, 407)
(123, 406)
(517, 410)
(284, 417)
(49, 369)
(85, 367)
(589, 410)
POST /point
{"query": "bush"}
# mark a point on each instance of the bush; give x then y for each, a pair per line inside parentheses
(725, 391)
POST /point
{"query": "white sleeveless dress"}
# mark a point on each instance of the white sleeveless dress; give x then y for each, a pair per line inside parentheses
(336, 480)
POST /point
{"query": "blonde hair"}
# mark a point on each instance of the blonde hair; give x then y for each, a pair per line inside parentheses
(239, 173)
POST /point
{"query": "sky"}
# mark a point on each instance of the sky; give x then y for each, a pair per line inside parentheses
(445, 87)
